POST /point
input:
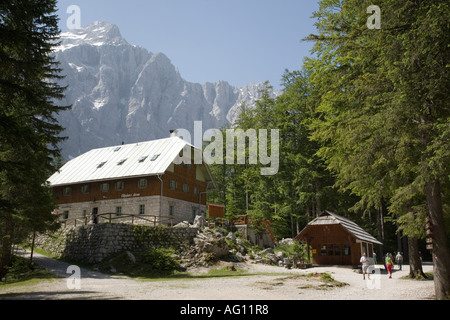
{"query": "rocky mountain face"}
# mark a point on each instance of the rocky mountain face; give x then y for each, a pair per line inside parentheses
(124, 93)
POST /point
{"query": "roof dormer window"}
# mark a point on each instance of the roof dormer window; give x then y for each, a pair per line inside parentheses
(142, 159)
(121, 162)
(101, 164)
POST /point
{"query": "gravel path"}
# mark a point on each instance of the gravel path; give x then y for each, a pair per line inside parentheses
(271, 283)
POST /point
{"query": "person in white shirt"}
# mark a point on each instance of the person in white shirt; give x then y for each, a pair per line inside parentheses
(365, 265)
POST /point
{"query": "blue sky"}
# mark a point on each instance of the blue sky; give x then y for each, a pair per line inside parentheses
(239, 41)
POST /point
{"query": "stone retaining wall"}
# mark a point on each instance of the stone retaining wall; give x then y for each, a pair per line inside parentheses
(93, 243)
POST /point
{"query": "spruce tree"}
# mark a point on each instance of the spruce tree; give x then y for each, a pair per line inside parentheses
(383, 113)
(29, 132)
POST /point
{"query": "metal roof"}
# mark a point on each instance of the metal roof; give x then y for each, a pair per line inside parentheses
(328, 217)
(124, 161)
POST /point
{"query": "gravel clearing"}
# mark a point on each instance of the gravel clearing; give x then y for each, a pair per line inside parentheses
(265, 283)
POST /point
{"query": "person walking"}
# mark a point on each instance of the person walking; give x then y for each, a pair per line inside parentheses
(399, 260)
(389, 264)
(365, 265)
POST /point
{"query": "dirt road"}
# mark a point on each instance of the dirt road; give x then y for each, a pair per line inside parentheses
(270, 283)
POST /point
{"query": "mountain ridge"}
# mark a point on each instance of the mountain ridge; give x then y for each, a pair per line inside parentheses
(120, 92)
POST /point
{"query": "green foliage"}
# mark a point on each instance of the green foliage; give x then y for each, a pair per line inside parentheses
(160, 260)
(29, 132)
(20, 270)
(147, 263)
(293, 250)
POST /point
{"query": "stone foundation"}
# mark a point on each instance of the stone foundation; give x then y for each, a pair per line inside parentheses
(93, 243)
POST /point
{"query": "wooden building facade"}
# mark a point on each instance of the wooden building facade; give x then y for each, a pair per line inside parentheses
(335, 240)
(153, 178)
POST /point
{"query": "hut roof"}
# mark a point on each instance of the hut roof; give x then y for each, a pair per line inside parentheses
(327, 218)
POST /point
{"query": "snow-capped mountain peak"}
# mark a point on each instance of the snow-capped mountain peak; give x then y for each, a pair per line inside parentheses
(96, 34)
(124, 93)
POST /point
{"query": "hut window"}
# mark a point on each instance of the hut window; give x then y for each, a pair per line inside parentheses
(337, 249)
(346, 250)
(330, 250)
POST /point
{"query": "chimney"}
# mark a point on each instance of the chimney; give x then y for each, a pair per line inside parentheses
(173, 133)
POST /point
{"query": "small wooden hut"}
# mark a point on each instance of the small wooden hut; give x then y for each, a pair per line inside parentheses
(335, 240)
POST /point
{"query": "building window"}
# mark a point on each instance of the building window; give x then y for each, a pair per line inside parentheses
(142, 159)
(142, 209)
(173, 184)
(119, 185)
(337, 249)
(347, 250)
(85, 189)
(331, 250)
(118, 211)
(67, 191)
(156, 156)
(194, 213)
(121, 162)
(196, 190)
(171, 211)
(100, 165)
(142, 183)
(104, 187)
(185, 187)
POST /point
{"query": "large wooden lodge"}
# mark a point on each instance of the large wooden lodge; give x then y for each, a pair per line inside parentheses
(134, 180)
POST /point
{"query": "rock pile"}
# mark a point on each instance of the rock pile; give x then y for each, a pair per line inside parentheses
(209, 246)
(212, 245)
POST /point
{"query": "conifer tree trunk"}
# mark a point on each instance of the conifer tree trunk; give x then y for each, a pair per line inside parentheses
(415, 265)
(6, 244)
(441, 253)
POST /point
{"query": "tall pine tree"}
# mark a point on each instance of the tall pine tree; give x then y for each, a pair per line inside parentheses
(29, 132)
(382, 97)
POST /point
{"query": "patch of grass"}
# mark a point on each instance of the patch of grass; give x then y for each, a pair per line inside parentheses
(22, 272)
(327, 281)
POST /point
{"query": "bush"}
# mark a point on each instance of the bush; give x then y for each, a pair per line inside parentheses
(293, 249)
(160, 260)
(150, 262)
